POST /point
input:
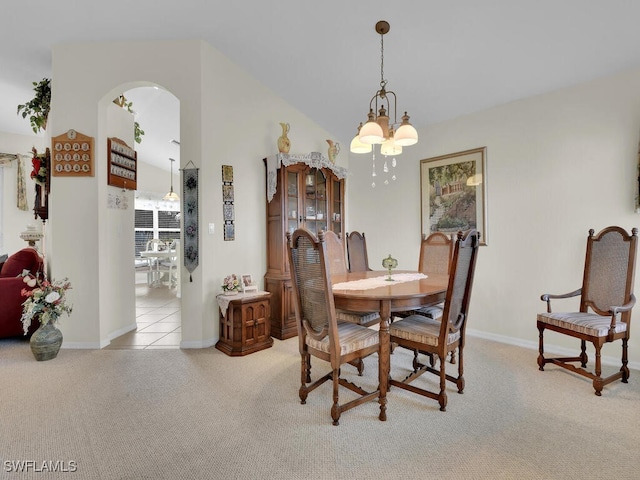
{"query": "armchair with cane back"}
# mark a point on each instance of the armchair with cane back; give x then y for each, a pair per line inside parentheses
(320, 334)
(606, 300)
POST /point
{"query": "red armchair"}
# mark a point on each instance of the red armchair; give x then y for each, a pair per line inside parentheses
(11, 286)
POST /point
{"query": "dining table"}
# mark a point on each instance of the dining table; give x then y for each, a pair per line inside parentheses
(366, 292)
(155, 257)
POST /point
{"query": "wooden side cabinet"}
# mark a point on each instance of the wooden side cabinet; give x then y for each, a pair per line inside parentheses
(246, 327)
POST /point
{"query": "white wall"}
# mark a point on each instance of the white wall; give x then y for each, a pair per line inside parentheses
(117, 245)
(558, 164)
(14, 220)
(226, 117)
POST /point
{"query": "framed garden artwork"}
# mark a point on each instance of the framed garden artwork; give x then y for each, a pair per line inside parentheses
(453, 191)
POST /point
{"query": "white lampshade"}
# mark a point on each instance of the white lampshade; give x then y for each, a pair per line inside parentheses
(390, 147)
(171, 196)
(371, 132)
(406, 134)
(358, 147)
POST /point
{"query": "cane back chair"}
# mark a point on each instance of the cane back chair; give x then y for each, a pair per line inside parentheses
(438, 338)
(436, 253)
(338, 266)
(357, 252)
(320, 334)
(606, 300)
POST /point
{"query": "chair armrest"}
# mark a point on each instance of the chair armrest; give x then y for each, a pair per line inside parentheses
(622, 308)
(548, 296)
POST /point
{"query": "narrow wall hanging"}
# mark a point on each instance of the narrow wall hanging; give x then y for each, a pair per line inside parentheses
(228, 209)
(190, 212)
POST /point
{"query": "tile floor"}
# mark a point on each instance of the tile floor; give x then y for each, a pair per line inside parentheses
(158, 319)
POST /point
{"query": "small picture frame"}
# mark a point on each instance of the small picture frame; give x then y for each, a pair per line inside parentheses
(247, 283)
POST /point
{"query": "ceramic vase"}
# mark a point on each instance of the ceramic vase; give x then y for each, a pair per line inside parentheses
(283, 141)
(45, 342)
(334, 149)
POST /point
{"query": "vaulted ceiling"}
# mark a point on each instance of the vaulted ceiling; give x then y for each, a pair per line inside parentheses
(443, 59)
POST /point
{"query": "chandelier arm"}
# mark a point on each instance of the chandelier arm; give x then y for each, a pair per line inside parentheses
(375, 97)
(395, 103)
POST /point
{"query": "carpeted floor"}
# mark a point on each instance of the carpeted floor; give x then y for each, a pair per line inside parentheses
(199, 414)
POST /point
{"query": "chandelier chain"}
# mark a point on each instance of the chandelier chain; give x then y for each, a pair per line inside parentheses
(383, 82)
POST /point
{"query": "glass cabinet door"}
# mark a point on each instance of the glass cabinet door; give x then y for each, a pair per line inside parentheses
(293, 216)
(336, 220)
(315, 200)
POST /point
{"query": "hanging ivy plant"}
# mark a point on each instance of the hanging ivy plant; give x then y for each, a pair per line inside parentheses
(121, 101)
(37, 109)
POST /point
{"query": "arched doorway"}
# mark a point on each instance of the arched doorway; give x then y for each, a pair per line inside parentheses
(156, 114)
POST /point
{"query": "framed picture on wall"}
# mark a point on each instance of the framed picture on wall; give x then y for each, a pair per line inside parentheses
(453, 191)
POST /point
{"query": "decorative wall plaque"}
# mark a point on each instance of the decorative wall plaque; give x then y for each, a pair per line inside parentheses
(122, 164)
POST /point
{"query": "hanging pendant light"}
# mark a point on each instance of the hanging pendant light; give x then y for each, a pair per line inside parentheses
(172, 196)
(379, 129)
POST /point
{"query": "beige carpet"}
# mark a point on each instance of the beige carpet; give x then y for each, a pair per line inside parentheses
(199, 414)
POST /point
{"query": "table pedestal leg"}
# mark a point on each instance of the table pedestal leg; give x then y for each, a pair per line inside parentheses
(384, 357)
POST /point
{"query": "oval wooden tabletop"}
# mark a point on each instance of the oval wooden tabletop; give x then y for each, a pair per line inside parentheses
(417, 288)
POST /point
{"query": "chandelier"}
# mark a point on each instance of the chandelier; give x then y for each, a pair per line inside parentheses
(378, 129)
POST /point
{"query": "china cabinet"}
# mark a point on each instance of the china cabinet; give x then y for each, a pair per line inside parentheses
(303, 191)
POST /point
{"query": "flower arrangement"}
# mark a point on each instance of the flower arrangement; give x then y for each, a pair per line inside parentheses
(39, 172)
(231, 283)
(46, 302)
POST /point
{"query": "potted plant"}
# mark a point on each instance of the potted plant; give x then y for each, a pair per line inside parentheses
(46, 303)
(37, 109)
(122, 102)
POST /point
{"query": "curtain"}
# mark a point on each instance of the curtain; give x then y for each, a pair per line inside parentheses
(21, 200)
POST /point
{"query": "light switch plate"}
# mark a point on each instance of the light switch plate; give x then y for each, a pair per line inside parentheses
(212, 228)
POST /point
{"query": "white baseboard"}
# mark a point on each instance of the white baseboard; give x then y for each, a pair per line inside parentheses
(198, 343)
(83, 345)
(549, 348)
(122, 331)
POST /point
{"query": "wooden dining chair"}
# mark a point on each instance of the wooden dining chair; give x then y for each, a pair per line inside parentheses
(320, 334)
(338, 266)
(438, 338)
(436, 253)
(606, 300)
(357, 252)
